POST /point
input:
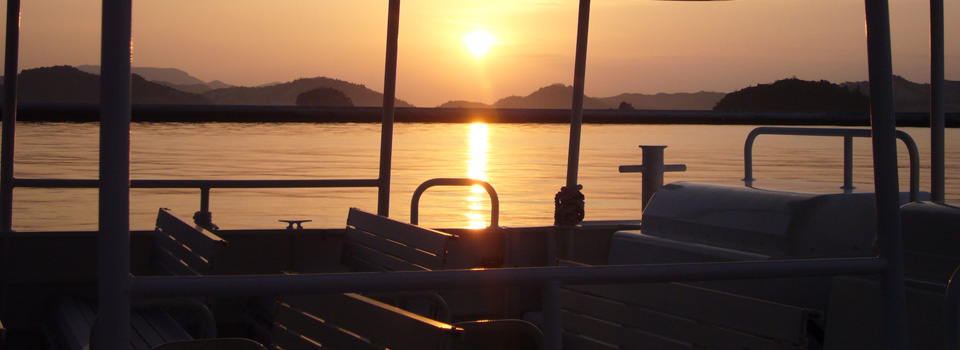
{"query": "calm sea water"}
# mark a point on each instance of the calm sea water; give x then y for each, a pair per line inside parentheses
(526, 163)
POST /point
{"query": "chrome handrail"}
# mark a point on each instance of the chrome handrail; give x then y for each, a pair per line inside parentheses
(494, 199)
(848, 135)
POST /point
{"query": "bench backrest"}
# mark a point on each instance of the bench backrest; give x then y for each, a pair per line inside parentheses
(773, 223)
(376, 243)
(182, 249)
(930, 246)
(352, 321)
(676, 316)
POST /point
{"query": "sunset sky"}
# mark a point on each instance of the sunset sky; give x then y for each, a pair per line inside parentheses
(641, 46)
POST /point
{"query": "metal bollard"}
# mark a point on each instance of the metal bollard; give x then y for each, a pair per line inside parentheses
(652, 171)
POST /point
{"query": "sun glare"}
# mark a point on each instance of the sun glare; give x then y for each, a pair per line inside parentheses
(479, 41)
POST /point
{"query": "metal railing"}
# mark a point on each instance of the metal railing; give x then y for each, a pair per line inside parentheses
(848, 135)
(203, 185)
(548, 279)
(494, 199)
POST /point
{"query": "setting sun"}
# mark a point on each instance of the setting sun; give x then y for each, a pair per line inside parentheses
(479, 41)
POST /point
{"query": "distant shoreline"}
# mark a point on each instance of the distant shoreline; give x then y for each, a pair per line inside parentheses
(86, 113)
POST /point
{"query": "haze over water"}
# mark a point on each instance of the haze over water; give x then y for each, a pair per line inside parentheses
(526, 163)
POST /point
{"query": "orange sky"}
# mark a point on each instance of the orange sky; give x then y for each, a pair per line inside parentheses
(635, 45)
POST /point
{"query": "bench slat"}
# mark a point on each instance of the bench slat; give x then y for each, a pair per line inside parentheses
(626, 338)
(361, 314)
(573, 341)
(143, 335)
(432, 241)
(372, 257)
(74, 322)
(174, 248)
(398, 250)
(200, 241)
(627, 324)
(164, 325)
(286, 340)
(316, 331)
(163, 261)
(769, 320)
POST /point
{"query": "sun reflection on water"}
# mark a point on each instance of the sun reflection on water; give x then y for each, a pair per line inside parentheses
(478, 140)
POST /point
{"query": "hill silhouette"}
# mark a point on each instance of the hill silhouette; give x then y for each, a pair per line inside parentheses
(171, 77)
(168, 75)
(197, 88)
(559, 96)
(285, 94)
(703, 100)
(794, 95)
(915, 97)
(464, 104)
(325, 97)
(556, 96)
(65, 84)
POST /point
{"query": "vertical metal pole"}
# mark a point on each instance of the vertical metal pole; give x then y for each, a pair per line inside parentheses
(9, 133)
(552, 321)
(653, 168)
(883, 124)
(205, 199)
(847, 164)
(389, 96)
(937, 167)
(576, 117)
(114, 239)
(10, 71)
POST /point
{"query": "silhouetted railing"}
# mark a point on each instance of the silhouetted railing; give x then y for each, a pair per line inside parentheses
(848, 135)
(203, 185)
(494, 198)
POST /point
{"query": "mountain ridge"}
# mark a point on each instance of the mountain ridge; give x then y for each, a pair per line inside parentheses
(559, 96)
(175, 86)
(285, 94)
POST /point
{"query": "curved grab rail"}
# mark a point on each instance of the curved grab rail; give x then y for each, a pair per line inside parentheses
(848, 135)
(494, 199)
(952, 312)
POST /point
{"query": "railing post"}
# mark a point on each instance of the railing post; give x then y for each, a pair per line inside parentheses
(847, 163)
(205, 199)
(389, 97)
(937, 122)
(552, 321)
(652, 171)
(204, 217)
(883, 126)
(748, 156)
(652, 178)
(113, 244)
(579, 78)
(10, 71)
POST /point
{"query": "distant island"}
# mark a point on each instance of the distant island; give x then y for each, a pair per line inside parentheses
(559, 96)
(795, 95)
(65, 84)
